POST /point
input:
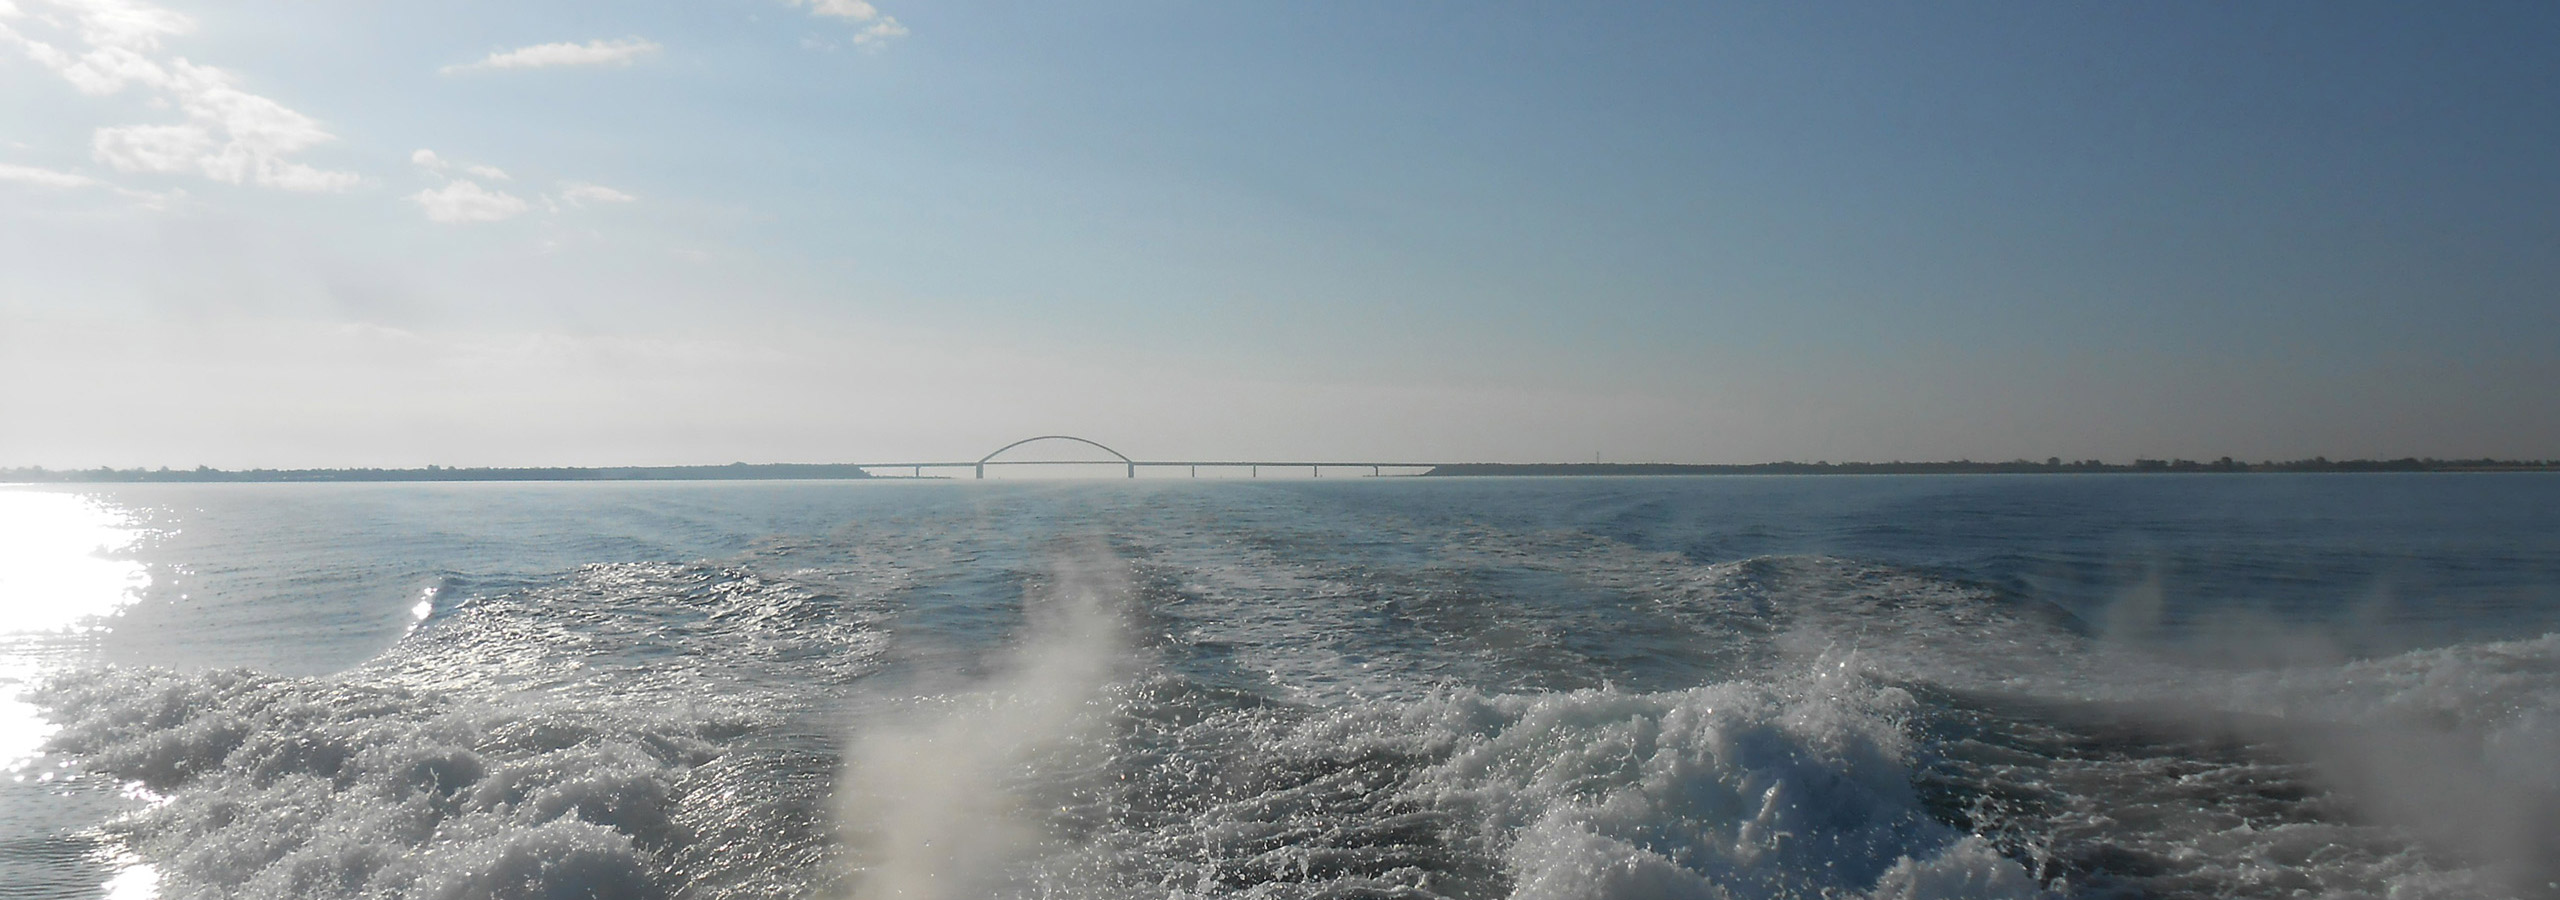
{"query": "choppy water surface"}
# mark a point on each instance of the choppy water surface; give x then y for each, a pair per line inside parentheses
(2083, 686)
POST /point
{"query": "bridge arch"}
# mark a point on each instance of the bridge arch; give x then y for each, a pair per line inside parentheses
(981, 465)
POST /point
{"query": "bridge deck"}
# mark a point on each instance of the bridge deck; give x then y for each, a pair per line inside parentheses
(979, 466)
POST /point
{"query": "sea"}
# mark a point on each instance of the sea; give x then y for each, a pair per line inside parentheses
(2083, 686)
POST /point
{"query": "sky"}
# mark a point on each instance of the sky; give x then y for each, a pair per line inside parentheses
(282, 233)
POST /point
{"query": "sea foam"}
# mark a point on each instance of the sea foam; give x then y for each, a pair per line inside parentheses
(524, 745)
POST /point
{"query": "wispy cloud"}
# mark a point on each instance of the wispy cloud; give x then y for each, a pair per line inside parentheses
(601, 52)
(428, 160)
(58, 180)
(581, 194)
(877, 27)
(461, 202)
(229, 135)
(463, 199)
(46, 178)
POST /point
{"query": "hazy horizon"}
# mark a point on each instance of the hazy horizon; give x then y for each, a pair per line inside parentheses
(1050, 462)
(285, 235)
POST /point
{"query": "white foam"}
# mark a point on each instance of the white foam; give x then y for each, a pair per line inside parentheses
(1796, 788)
(934, 804)
(1736, 790)
(588, 736)
(521, 745)
(1294, 623)
(2458, 744)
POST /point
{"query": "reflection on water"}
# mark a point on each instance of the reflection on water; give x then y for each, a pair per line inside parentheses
(57, 565)
(62, 578)
(134, 879)
(58, 578)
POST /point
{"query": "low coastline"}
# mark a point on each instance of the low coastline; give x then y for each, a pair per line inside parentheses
(202, 474)
(846, 471)
(2013, 467)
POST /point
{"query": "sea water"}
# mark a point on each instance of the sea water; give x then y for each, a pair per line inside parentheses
(1739, 687)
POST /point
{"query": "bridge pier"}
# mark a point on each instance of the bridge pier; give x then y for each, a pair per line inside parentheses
(1133, 470)
(982, 469)
(1195, 471)
(1256, 473)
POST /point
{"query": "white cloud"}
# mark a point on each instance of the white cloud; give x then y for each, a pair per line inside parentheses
(878, 27)
(230, 135)
(618, 52)
(428, 160)
(840, 9)
(581, 194)
(465, 201)
(151, 148)
(43, 177)
(880, 32)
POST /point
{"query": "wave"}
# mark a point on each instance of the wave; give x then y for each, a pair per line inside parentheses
(1246, 721)
(1738, 790)
(581, 737)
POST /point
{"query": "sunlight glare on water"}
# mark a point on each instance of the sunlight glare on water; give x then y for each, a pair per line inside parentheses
(133, 880)
(58, 577)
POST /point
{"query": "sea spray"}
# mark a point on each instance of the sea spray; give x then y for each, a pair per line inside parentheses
(1790, 787)
(2460, 746)
(548, 742)
(1394, 689)
(935, 805)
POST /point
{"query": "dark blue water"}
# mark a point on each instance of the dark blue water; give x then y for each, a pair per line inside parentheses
(2386, 561)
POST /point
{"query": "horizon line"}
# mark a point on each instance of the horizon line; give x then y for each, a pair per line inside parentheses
(745, 471)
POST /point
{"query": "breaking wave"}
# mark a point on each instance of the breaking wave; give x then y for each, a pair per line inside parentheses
(1523, 715)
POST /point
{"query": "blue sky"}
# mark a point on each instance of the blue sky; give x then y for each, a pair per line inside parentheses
(286, 233)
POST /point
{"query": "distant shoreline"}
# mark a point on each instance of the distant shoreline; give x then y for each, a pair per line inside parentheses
(199, 475)
(2014, 467)
(848, 471)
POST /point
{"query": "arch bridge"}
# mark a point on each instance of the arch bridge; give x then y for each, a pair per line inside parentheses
(1130, 465)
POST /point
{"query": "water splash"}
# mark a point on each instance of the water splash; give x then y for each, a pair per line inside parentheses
(937, 805)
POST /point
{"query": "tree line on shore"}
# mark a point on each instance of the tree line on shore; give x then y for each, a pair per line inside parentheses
(730, 472)
(2015, 466)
